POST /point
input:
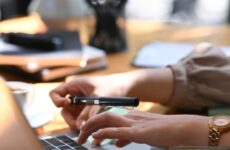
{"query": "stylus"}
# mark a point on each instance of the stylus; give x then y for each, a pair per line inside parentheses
(107, 101)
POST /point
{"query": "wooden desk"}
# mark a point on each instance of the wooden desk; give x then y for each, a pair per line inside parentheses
(139, 33)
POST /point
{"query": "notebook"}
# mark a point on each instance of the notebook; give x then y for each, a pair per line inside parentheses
(161, 54)
(15, 132)
(46, 65)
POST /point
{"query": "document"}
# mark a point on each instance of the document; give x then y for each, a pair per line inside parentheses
(161, 54)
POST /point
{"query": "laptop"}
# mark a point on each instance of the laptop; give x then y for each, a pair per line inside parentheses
(15, 132)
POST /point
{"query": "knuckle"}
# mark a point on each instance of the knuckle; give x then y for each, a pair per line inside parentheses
(107, 114)
(92, 119)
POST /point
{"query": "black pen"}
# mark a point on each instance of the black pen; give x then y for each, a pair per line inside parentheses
(106, 101)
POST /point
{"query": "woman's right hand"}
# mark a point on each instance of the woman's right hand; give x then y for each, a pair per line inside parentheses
(147, 128)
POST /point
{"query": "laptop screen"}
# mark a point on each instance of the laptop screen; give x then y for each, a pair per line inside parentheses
(15, 132)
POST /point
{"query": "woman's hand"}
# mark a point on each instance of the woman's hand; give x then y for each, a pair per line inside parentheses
(148, 128)
(146, 84)
(111, 85)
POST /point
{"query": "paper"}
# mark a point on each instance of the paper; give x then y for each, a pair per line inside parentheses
(160, 54)
(42, 109)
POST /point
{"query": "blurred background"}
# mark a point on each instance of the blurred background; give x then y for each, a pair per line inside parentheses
(65, 14)
(175, 11)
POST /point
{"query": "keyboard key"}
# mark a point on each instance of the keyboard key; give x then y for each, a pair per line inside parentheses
(81, 148)
(65, 139)
(50, 148)
(54, 141)
(64, 148)
(61, 143)
(73, 144)
(44, 143)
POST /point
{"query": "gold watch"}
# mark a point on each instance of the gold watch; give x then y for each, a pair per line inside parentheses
(218, 125)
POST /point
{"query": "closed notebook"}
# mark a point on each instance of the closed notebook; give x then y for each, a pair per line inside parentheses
(17, 56)
(53, 65)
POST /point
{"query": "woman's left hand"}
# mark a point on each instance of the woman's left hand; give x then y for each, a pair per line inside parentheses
(148, 128)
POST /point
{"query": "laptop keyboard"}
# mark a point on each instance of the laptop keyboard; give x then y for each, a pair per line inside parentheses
(61, 143)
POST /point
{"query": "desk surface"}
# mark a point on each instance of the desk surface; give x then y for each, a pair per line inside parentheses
(139, 33)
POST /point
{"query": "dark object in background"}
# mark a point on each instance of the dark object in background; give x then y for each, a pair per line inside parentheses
(42, 42)
(40, 65)
(13, 8)
(184, 11)
(70, 39)
(183, 6)
(108, 35)
(22, 6)
(36, 41)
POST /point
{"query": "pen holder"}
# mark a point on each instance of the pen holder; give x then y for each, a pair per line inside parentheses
(109, 32)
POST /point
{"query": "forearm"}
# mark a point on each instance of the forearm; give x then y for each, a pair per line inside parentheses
(225, 139)
(151, 84)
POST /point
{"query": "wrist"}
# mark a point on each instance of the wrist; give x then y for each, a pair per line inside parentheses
(151, 84)
(219, 128)
(195, 131)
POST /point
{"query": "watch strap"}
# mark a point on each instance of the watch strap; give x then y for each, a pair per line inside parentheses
(214, 136)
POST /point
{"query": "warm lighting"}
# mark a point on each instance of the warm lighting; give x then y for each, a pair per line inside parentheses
(84, 59)
(143, 26)
(41, 96)
(152, 107)
(6, 125)
(193, 33)
(31, 24)
(32, 65)
(83, 62)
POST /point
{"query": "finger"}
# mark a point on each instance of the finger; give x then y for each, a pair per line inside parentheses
(80, 88)
(73, 88)
(139, 115)
(121, 143)
(102, 120)
(83, 116)
(69, 118)
(94, 110)
(58, 96)
(97, 141)
(123, 133)
(83, 136)
(105, 119)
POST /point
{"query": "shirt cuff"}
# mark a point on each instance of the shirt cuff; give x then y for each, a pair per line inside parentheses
(179, 84)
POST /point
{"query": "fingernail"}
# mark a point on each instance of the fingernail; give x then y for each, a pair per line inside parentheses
(82, 125)
(67, 102)
(96, 142)
(94, 134)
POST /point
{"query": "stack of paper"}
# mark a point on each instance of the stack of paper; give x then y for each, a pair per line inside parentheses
(53, 65)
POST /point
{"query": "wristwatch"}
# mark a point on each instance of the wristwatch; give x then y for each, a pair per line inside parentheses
(218, 125)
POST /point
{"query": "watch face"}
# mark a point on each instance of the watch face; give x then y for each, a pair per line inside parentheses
(221, 121)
